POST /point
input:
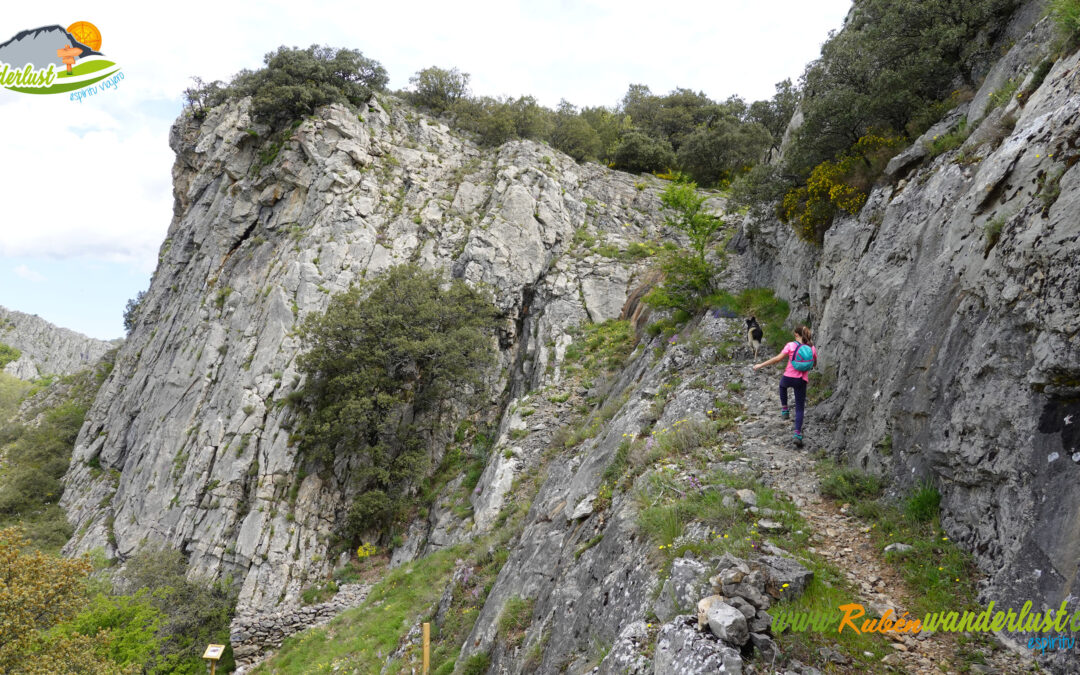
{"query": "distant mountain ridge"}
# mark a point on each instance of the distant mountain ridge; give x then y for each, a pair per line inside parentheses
(38, 46)
(47, 349)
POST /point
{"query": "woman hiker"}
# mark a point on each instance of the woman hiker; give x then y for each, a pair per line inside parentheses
(796, 375)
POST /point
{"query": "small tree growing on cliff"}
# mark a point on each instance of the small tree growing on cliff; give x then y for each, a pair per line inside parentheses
(380, 362)
(688, 275)
(297, 81)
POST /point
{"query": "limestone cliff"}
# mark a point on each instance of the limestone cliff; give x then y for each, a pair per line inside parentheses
(193, 418)
(47, 349)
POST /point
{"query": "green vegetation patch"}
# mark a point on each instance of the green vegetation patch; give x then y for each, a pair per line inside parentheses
(400, 342)
(8, 354)
(936, 570)
(600, 347)
(363, 637)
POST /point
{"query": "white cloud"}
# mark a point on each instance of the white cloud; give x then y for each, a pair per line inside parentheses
(94, 179)
(24, 272)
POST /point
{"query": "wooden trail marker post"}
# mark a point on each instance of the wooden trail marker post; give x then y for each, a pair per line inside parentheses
(212, 654)
(427, 648)
(68, 54)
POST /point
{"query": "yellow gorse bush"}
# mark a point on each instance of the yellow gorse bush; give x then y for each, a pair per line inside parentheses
(837, 185)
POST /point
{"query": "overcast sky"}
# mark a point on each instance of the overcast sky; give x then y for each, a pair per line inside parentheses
(86, 195)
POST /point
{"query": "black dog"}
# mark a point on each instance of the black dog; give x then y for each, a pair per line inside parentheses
(753, 335)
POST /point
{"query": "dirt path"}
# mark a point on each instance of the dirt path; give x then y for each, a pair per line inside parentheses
(845, 540)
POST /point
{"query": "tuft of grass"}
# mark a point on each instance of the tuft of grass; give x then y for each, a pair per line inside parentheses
(848, 485)
(951, 140)
(515, 618)
(477, 664)
(924, 505)
(1002, 95)
(821, 385)
(993, 230)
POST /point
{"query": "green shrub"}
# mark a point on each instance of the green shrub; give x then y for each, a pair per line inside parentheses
(187, 614)
(294, 82)
(573, 135)
(688, 275)
(835, 186)
(638, 152)
(131, 311)
(601, 347)
(133, 623)
(892, 60)
(438, 89)
(498, 120)
(8, 354)
(724, 148)
(380, 362)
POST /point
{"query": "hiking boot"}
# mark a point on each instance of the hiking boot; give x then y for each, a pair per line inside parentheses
(784, 414)
(797, 437)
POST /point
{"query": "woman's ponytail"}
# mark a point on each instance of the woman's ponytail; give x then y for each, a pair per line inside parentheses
(805, 334)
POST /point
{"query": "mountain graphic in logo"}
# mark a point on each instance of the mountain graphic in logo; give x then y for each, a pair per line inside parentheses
(54, 59)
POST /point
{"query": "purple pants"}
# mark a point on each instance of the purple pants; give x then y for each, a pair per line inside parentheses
(799, 385)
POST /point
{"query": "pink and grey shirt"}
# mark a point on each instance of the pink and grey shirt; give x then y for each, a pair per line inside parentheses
(789, 351)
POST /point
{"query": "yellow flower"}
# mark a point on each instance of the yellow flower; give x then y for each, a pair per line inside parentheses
(784, 586)
(725, 536)
(940, 568)
(944, 539)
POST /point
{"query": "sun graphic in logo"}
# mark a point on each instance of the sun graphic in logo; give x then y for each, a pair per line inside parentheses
(86, 33)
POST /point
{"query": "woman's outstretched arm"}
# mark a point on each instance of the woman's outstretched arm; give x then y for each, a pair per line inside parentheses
(776, 359)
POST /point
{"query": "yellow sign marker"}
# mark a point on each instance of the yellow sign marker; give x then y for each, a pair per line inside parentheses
(212, 654)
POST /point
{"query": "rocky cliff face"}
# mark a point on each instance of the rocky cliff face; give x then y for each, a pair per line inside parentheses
(193, 418)
(47, 349)
(955, 344)
(948, 309)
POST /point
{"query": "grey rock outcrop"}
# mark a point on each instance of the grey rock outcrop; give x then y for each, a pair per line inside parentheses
(193, 417)
(47, 349)
(948, 310)
(680, 648)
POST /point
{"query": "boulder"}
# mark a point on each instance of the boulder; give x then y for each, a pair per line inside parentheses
(728, 624)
